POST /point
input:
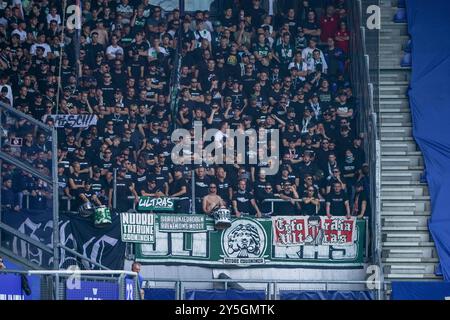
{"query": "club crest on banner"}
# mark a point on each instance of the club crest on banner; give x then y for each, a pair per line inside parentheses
(244, 242)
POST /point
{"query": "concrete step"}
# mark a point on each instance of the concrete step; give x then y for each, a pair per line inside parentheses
(403, 191)
(406, 236)
(402, 161)
(394, 88)
(410, 268)
(404, 228)
(393, 131)
(411, 276)
(404, 198)
(412, 244)
(394, 109)
(403, 118)
(406, 146)
(405, 213)
(395, 124)
(395, 103)
(401, 153)
(404, 222)
(395, 75)
(402, 168)
(402, 183)
(387, 83)
(410, 260)
(403, 252)
(405, 205)
(386, 38)
(397, 139)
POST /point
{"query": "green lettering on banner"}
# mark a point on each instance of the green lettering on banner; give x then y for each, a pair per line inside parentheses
(155, 204)
(280, 241)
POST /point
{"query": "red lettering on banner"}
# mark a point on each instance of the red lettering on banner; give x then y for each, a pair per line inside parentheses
(338, 230)
(289, 232)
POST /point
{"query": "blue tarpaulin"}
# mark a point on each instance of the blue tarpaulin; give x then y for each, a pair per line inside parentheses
(430, 107)
(325, 295)
(424, 290)
(159, 294)
(230, 294)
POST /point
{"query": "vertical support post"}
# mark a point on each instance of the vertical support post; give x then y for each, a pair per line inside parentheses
(115, 189)
(177, 290)
(275, 288)
(1, 177)
(57, 286)
(55, 199)
(182, 7)
(193, 192)
(121, 287)
(366, 225)
(181, 290)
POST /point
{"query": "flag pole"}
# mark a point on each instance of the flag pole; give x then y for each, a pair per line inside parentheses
(61, 50)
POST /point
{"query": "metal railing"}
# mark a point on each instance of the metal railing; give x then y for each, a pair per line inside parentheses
(11, 117)
(272, 288)
(56, 284)
(367, 120)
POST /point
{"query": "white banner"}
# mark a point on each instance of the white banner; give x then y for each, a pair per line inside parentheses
(75, 121)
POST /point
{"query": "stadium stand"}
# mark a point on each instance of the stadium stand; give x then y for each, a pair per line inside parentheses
(119, 83)
(122, 78)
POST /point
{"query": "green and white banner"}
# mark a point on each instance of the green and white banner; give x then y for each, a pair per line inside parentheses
(155, 204)
(287, 241)
(137, 227)
(182, 223)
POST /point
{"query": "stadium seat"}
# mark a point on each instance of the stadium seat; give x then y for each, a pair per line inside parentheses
(406, 60)
(400, 16)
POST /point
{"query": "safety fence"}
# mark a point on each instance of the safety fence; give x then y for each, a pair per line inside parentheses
(367, 118)
(71, 284)
(171, 289)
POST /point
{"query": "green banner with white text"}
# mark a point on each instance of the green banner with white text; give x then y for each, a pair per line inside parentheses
(282, 241)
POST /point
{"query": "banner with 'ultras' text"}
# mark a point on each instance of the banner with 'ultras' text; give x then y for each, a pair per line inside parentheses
(287, 241)
(155, 204)
(74, 120)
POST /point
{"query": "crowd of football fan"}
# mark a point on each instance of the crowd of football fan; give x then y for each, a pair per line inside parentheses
(243, 69)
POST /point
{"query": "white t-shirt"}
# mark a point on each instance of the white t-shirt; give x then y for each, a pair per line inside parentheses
(203, 34)
(22, 34)
(43, 45)
(152, 52)
(300, 67)
(56, 17)
(9, 94)
(114, 50)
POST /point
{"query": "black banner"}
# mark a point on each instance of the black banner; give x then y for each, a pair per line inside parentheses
(102, 245)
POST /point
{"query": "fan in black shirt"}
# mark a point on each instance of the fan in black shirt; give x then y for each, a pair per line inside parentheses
(179, 188)
(337, 203)
(243, 201)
